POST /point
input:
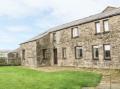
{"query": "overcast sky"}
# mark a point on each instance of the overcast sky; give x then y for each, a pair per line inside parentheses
(21, 20)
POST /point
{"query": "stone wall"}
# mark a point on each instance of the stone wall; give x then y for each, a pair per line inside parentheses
(14, 58)
(30, 54)
(87, 39)
(44, 44)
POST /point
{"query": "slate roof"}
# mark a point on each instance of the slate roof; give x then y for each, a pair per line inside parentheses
(108, 12)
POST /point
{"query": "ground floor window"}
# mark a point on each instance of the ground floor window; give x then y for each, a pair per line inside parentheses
(45, 54)
(107, 55)
(78, 52)
(95, 52)
(64, 53)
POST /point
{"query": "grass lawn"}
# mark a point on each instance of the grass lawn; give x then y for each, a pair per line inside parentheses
(23, 78)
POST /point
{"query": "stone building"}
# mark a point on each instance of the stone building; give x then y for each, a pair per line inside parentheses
(88, 42)
(14, 57)
(4, 57)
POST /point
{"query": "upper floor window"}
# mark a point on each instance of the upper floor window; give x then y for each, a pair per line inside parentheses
(78, 52)
(106, 25)
(97, 26)
(23, 54)
(107, 55)
(54, 37)
(95, 52)
(64, 53)
(75, 32)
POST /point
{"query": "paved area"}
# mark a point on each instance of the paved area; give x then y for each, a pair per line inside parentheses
(109, 83)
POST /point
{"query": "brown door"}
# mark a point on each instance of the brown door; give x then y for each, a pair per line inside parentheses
(55, 56)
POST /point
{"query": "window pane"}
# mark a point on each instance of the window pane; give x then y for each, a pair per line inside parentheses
(97, 27)
(107, 51)
(79, 52)
(54, 37)
(106, 26)
(107, 47)
(75, 32)
(95, 52)
(64, 52)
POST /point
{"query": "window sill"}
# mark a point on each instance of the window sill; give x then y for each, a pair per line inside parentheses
(106, 32)
(102, 33)
(78, 58)
(98, 33)
(64, 58)
(108, 59)
(75, 37)
(96, 59)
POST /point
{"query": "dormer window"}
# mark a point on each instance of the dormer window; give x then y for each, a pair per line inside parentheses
(106, 25)
(75, 32)
(97, 26)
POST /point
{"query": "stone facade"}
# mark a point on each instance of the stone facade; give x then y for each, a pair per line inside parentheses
(4, 57)
(44, 50)
(48, 49)
(14, 57)
(88, 38)
(29, 54)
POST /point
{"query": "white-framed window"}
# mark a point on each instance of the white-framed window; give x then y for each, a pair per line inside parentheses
(78, 52)
(107, 54)
(64, 53)
(106, 25)
(97, 27)
(75, 32)
(95, 52)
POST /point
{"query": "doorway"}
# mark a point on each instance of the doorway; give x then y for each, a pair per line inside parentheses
(55, 56)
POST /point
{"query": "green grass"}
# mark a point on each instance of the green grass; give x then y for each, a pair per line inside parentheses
(23, 78)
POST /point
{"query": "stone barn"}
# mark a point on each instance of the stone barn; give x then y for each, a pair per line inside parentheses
(93, 41)
(14, 57)
(4, 57)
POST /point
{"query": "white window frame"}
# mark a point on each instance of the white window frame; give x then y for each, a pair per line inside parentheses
(97, 27)
(94, 52)
(107, 47)
(78, 49)
(106, 25)
(75, 32)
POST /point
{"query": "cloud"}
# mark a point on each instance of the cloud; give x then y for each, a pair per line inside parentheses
(18, 8)
(18, 29)
(6, 38)
(65, 8)
(14, 35)
(23, 19)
